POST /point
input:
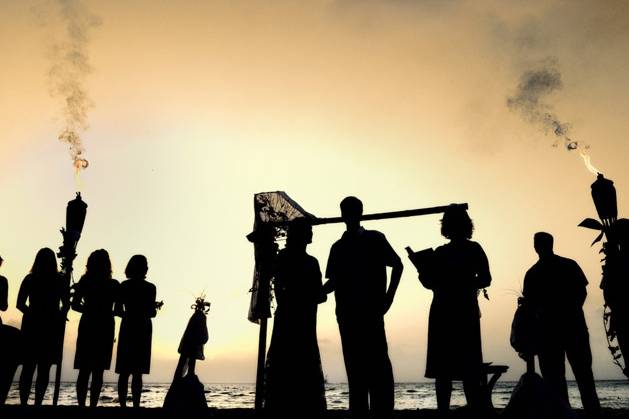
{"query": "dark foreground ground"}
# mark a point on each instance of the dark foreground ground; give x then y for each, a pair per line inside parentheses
(72, 412)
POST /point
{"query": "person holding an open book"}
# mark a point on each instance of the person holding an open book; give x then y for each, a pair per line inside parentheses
(455, 272)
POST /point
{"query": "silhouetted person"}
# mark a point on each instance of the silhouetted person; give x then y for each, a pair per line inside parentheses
(186, 391)
(357, 272)
(4, 292)
(456, 273)
(556, 288)
(136, 305)
(294, 378)
(194, 338)
(9, 344)
(40, 299)
(94, 297)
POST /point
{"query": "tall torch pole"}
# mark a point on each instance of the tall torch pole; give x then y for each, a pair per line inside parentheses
(75, 219)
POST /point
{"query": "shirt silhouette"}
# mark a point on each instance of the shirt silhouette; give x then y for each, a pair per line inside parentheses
(556, 288)
(357, 274)
(293, 374)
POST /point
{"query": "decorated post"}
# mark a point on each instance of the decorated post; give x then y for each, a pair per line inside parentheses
(75, 219)
(615, 275)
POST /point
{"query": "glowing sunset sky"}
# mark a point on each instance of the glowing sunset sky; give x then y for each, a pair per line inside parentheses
(198, 105)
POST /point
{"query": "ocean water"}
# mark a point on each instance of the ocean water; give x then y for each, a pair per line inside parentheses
(613, 394)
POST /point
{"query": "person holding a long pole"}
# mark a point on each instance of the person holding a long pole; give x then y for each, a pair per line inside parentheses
(357, 273)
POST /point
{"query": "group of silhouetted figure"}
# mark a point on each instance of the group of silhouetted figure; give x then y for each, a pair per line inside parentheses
(456, 272)
(44, 299)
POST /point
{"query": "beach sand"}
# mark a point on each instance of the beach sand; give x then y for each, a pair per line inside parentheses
(72, 412)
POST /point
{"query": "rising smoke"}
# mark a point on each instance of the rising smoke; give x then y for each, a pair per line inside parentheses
(530, 101)
(68, 72)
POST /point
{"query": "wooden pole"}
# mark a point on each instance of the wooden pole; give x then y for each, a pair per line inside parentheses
(384, 215)
(393, 214)
(261, 360)
(66, 273)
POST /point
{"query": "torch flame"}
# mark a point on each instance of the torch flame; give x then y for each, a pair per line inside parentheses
(79, 164)
(588, 162)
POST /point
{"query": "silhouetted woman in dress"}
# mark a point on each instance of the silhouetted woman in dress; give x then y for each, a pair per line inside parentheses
(136, 305)
(40, 299)
(458, 271)
(294, 378)
(94, 297)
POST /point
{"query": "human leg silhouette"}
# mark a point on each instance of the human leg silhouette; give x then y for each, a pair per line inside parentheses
(81, 386)
(41, 384)
(356, 368)
(136, 389)
(96, 386)
(26, 381)
(381, 384)
(443, 388)
(579, 356)
(472, 390)
(123, 388)
(553, 369)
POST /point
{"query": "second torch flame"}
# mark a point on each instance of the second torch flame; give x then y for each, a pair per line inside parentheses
(588, 162)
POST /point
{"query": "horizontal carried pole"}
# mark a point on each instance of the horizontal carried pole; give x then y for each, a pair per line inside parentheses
(393, 214)
(386, 215)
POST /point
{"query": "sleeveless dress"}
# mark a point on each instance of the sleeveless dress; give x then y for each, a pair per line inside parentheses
(95, 340)
(293, 375)
(136, 306)
(458, 271)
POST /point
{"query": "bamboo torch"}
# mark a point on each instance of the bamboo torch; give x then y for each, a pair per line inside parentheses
(75, 219)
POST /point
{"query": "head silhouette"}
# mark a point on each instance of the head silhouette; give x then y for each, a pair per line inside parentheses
(137, 267)
(543, 243)
(299, 233)
(1, 260)
(98, 264)
(45, 263)
(456, 224)
(351, 212)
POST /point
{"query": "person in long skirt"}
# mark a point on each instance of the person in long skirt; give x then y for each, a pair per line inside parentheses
(136, 306)
(459, 269)
(94, 297)
(40, 299)
(294, 378)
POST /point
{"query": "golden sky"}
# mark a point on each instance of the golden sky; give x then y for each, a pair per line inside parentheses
(198, 105)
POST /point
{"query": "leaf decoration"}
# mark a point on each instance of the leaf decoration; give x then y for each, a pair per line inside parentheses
(598, 239)
(591, 223)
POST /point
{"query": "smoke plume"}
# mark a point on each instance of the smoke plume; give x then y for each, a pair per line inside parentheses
(530, 101)
(68, 72)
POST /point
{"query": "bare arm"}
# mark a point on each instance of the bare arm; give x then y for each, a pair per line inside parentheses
(328, 287)
(4, 293)
(393, 260)
(22, 295)
(76, 302)
(580, 285)
(396, 275)
(153, 308)
(483, 277)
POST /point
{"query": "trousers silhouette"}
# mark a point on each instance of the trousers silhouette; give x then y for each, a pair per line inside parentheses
(576, 347)
(369, 372)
